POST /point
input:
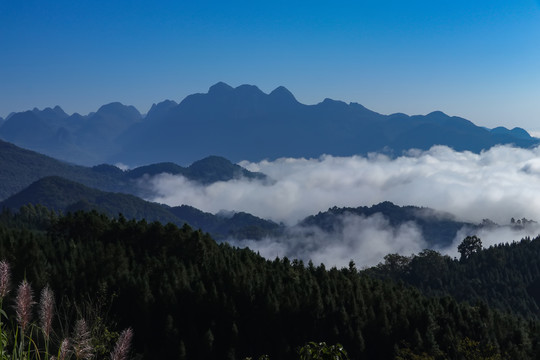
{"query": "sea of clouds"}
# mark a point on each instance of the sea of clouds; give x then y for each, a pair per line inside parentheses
(497, 184)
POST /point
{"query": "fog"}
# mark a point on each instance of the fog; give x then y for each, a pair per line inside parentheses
(497, 184)
(366, 240)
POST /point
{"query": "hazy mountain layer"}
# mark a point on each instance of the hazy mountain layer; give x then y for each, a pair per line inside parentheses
(64, 196)
(241, 123)
(21, 167)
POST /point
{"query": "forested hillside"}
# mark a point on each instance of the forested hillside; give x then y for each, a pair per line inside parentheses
(438, 228)
(188, 297)
(505, 276)
(65, 196)
(21, 167)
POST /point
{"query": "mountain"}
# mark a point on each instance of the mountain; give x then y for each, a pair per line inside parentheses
(245, 123)
(237, 225)
(515, 132)
(206, 171)
(21, 167)
(438, 228)
(242, 123)
(62, 195)
(76, 138)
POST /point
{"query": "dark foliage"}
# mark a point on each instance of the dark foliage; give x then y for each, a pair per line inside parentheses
(186, 296)
(505, 276)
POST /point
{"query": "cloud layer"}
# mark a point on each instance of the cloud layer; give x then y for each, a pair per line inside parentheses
(366, 240)
(498, 184)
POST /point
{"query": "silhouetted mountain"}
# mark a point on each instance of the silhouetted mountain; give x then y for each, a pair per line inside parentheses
(79, 139)
(238, 225)
(438, 228)
(55, 114)
(245, 123)
(242, 123)
(27, 129)
(205, 171)
(155, 169)
(64, 196)
(158, 110)
(515, 132)
(215, 168)
(21, 167)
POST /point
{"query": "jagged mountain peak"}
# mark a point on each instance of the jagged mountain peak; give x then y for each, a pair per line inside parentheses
(282, 93)
(220, 87)
(117, 108)
(247, 89)
(438, 114)
(244, 123)
(161, 108)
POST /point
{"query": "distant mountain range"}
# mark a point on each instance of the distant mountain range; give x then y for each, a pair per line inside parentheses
(241, 123)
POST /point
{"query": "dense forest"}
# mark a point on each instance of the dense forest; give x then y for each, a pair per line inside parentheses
(188, 297)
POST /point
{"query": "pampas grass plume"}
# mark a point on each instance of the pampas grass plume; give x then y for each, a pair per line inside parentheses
(123, 345)
(23, 304)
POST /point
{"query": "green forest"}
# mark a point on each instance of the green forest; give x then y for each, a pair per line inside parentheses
(188, 297)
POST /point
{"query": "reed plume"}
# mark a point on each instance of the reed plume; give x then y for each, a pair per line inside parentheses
(123, 345)
(82, 347)
(46, 306)
(5, 278)
(23, 304)
(64, 350)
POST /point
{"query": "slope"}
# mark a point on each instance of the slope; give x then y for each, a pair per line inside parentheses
(65, 196)
(21, 167)
(244, 123)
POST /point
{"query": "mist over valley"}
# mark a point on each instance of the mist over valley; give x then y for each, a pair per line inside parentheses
(316, 158)
(396, 211)
(248, 180)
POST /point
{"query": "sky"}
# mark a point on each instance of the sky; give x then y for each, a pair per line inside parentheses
(475, 59)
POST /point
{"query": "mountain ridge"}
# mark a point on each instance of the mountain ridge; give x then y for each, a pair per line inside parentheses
(21, 167)
(65, 196)
(242, 123)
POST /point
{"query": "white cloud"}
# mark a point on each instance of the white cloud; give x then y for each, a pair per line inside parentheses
(366, 240)
(498, 184)
(122, 166)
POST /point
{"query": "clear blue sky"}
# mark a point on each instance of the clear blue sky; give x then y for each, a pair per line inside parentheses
(476, 59)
